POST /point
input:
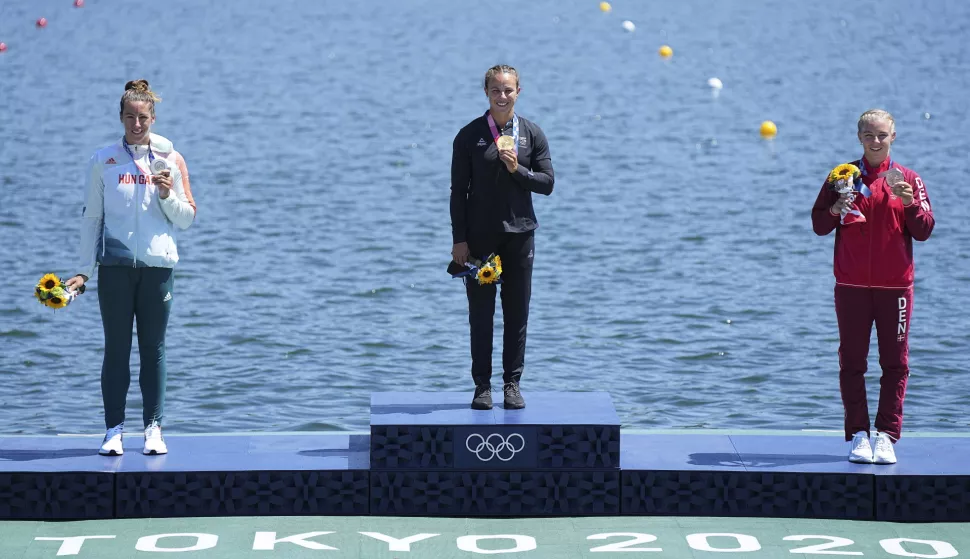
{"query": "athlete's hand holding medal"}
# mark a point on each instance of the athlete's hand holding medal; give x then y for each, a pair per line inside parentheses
(507, 152)
(898, 185)
(161, 177)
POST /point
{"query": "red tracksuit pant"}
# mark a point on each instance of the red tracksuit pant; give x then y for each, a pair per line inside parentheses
(892, 310)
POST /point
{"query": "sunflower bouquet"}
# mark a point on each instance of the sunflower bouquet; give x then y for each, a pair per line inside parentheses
(52, 292)
(485, 272)
(489, 271)
(846, 179)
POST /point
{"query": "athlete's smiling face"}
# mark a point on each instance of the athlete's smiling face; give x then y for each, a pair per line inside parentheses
(503, 89)
(876, 137)
(138, 119)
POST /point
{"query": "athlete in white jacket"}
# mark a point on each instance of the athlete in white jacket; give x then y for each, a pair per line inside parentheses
(136, 200)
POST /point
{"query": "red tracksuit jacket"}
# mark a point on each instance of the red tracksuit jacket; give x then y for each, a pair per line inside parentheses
(879, 252)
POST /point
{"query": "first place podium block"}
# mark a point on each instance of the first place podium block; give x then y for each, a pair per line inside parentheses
(432, 454)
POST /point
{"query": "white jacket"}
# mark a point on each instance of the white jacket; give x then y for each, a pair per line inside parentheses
(124, 222)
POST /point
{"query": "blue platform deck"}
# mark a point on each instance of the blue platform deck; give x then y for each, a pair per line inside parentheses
(452, 408)
(661, 473)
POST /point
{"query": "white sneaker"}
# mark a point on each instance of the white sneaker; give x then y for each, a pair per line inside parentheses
(884, 453)
(154, 443)
(111, 445)
(861, 452)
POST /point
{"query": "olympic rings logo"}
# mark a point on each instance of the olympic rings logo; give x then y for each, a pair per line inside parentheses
(494, 446)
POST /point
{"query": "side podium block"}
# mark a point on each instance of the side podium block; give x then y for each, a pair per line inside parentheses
(247, 475)
(907, 498)
(931, 482)
(746, 475)
(421, 431)
(55, 478)
(56, 496)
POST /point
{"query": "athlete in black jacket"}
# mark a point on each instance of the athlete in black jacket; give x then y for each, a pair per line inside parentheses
(491, 212)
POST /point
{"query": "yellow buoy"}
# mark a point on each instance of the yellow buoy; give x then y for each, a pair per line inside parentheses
(605, 7)
(768, 129)
(666, 52)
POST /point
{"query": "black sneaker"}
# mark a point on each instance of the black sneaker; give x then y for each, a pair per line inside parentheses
(483, 397)
(513, 398)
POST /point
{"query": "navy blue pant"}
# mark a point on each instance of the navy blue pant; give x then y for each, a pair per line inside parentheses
(142, 296)
(516, 251)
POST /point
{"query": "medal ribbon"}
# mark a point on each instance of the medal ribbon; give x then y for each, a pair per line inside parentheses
(151, 156)
(862, 188)
(515, 130)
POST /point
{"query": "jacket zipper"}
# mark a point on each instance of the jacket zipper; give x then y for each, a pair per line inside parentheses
(873, 227)
(870, 260)
(134, 259)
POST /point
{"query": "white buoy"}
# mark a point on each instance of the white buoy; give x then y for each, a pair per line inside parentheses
(715, 85)
(628, 25)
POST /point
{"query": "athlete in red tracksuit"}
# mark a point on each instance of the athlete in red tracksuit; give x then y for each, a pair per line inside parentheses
(874, 278)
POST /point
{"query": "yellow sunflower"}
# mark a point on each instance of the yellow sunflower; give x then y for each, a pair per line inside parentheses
(57, 299)
(498, 265)
(49, 282)
(41, 293)
(486, 274)
(844, 172)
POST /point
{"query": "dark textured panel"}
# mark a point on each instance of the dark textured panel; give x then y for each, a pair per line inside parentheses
(923, 498)
(242, 493)
(412, 447)
(56, 495)
(495, 493)
(579, 446)
(792, 495)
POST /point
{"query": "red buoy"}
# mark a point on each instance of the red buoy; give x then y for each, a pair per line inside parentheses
(78, 3)
(42, 22)
(3, 47)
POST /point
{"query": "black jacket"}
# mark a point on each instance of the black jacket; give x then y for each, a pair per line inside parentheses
(485, 197)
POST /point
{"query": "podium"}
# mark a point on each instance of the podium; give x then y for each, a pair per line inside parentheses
(432, 455)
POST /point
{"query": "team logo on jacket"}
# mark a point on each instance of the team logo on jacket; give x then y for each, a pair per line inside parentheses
(481, 142)
(523, 142)
(920, 195)
(903, 321)
(128, 178)
(111, 161)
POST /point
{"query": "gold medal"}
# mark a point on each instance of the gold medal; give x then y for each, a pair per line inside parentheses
(505, 142)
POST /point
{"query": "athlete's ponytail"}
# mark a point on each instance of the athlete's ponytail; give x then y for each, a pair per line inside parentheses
(139, 91)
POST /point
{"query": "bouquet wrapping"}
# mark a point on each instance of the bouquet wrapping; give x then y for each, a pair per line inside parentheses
(846, 179)
(52, 292)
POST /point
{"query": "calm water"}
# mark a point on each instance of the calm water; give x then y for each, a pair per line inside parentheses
(676, 266)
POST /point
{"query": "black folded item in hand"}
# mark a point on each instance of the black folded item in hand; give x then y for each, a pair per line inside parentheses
(456, 269)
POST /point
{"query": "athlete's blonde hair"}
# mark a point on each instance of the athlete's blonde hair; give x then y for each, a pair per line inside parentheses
(872, 115)
(139, 91)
